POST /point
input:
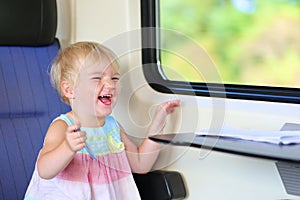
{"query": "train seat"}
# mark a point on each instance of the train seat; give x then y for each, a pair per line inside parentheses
(28, 102)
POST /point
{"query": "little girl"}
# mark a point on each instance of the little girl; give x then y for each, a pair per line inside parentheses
(86, 152)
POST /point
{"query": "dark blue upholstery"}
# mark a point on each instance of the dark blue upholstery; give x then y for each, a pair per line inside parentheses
(28, 104)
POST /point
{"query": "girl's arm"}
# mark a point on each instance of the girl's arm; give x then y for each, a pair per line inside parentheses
(60, 146)
(142, 158)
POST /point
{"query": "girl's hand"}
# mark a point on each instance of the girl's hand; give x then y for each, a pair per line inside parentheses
(161, 114)
(75, 138)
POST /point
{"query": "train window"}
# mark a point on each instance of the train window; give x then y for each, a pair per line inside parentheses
(244, 49)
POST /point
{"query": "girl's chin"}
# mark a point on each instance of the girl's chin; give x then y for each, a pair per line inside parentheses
(104, 111)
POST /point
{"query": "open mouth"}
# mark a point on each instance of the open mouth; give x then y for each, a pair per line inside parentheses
(106, 99)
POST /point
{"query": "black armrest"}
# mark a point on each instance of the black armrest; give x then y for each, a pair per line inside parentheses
(160, 185)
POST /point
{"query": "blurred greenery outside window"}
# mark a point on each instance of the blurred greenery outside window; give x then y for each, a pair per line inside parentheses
(250, 42)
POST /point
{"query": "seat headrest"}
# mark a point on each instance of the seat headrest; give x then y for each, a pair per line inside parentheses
(27, 22)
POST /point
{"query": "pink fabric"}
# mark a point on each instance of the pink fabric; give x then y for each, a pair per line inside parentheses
(107, 169)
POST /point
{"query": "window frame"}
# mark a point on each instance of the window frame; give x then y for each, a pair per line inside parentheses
(151, 69)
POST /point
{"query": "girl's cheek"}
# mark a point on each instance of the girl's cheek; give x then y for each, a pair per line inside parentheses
(118, 89)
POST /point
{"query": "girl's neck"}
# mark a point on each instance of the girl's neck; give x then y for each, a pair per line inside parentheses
(86, 121)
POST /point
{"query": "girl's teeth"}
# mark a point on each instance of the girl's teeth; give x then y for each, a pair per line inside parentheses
(105, 99)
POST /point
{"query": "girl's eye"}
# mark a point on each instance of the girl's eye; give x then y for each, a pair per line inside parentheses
(115, 78)
(96, 78)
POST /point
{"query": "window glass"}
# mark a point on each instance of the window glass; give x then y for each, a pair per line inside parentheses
(249, 42)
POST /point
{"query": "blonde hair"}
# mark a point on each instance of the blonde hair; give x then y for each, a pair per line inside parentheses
(69, 61)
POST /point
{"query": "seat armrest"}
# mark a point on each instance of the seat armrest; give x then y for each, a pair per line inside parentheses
(160, 185)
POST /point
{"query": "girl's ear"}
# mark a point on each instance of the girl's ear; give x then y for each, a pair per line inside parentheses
(67, 90)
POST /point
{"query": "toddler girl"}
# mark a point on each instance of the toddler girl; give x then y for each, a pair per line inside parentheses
(86, 152)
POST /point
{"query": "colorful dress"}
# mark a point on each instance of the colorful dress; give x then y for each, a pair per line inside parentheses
(107, 178)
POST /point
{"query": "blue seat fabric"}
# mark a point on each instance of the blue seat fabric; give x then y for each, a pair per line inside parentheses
(28, 104)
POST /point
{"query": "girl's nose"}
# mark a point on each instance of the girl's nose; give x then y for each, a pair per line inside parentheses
(108, 83)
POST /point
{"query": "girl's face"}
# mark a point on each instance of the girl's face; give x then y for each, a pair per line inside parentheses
(96, 91)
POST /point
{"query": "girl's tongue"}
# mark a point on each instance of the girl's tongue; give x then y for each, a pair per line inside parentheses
(105, 99)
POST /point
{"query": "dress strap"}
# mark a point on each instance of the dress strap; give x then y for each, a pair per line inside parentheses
(66, 118)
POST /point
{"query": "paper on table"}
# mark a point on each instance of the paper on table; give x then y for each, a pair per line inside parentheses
(275, 137)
